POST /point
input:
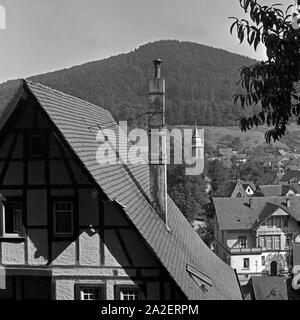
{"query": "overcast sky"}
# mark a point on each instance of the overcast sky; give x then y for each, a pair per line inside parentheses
(47, 35)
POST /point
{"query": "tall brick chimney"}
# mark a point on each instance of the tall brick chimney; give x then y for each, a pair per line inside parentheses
(157, 143)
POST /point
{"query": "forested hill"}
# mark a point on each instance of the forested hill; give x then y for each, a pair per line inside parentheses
(200, 82)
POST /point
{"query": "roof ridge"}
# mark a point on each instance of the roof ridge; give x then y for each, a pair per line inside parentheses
(61, 93)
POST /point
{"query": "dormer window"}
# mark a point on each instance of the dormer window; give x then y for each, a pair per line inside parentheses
(36, 145)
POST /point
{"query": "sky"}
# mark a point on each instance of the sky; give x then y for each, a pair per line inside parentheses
(47, 35)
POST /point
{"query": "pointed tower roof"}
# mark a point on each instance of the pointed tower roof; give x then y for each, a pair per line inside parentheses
(197, 139)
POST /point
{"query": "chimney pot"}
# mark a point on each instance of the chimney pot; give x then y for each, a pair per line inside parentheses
(157, 68)
(288, 203)
(251, 203)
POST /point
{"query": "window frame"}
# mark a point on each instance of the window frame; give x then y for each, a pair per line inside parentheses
(242, 242)
(119, 287)
(82, 285)
(12, 235)
(276, 237)
(244, 265)
(30, 153)
(62, 199)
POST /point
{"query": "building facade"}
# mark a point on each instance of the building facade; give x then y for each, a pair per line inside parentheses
(255, 236)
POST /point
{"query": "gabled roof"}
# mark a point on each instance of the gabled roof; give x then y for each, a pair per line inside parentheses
(269, 288)
(236, 213)
(267, 178)
(175, 248)
(291, 174)
(276, 190)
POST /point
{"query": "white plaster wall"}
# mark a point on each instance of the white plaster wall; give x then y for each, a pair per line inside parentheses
(64, 252)
(89, 253)
(13, 253)
(65, 289)
(37, 247)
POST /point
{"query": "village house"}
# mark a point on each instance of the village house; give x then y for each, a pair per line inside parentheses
(242, 189)
(290, 177)
(266, 288)
(255, 235)
(275, 190)
(72, 228)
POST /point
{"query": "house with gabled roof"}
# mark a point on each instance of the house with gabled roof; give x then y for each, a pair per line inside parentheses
(74, 228)
(266, 288)
(290, 177)
(278, 190)
(255, 235)
(242, 189)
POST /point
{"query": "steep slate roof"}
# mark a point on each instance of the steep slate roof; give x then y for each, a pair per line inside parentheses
(236, 214)
(175, 248)
(269, 288)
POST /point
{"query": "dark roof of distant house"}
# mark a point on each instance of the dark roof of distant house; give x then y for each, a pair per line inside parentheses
(225, 151)
(296, 254)
(258, 158)
(293, 162)
(177, 248)
(267, 178)
(269, 288)
(276, 190)
(239, 156)
(290, 175)
(236, 213)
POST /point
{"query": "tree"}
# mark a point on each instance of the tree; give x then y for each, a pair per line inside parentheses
(219, 178)
(270, 84)
(188, 192)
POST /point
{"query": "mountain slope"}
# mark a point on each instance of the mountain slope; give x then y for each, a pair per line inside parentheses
(200, 82)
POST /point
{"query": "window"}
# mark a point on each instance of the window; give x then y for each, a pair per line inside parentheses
(12, 216)
(263, 260)
(276, 242)
(36, 145)
(269, 222)
(277, 222)
(262, 242)
(269, 243)
(90, 292)
(128, 292)
(63, 218)
(242, 241)
(288, 240)
(285, 222)
(246, 263)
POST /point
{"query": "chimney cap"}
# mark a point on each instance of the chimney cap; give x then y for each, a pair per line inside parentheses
(157, 61)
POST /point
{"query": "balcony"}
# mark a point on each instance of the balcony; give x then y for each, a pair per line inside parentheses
(246, 250)
(257, 250)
